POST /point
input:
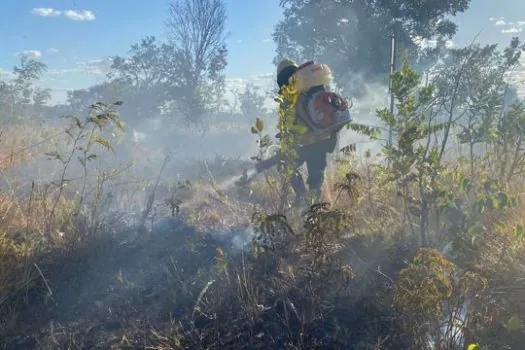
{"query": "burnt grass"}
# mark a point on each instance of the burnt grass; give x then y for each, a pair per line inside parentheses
(156, 293)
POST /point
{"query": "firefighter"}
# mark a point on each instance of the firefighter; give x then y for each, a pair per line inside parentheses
(312, 151)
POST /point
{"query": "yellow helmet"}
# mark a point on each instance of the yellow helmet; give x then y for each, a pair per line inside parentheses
(285, 64)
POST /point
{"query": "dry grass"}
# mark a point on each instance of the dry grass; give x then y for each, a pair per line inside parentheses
(330, 277)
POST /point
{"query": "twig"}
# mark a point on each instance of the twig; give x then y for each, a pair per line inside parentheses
(222, 197)
(151, 198)
(200, 297)
(44, 279)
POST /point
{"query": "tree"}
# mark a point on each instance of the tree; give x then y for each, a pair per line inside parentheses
(252, 101)
(147, 80)
(20, 91)
(149, 64)
(353, 37)
(80, 101)
(472, 86)
(41, 96)
(413, 160)
(196, 31)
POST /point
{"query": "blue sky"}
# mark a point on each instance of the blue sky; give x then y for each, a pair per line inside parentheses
(72, 36)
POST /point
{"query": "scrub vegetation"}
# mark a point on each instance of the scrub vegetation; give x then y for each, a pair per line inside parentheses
(108, 243)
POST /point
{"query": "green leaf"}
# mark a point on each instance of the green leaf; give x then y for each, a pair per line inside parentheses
(105, 143)
(504, 200)
(519, 231)
(465, 185)
(480, 205)
(77, 121)
(254, 130)
(372, 132)
(493, 202)
(300, 129)
(387, 117)
(473, 347)
(514, 323)
(259, 124)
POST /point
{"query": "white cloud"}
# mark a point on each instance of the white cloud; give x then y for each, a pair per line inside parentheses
(30, 53)
(59, 72)
(84, 15)
(500, 22)
(267, 40)
(263, 80)
(52, 50)
(46, 12)
(263, 76)
(512, 30)
(492, 19)
(97, 67)
(520, 23)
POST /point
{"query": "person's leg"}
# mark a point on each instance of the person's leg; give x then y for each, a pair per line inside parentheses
(297, 180)
(316, 163)
(298, 185)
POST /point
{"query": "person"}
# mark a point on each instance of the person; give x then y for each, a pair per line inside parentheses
(313, 152)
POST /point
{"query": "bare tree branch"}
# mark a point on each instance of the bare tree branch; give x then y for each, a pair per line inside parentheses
(196, 28)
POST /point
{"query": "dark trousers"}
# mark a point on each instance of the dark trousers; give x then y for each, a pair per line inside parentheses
(315, 158)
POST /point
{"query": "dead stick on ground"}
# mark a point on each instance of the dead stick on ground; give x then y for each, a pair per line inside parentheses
(222, 197)
(151, 198)
(44, 279)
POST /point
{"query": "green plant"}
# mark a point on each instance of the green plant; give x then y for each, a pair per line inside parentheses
(436, 299)
(288, 130)
(272, 231)
(412, 162)
(85, 135)
(264, 141)
(469, 210)
(177, 194)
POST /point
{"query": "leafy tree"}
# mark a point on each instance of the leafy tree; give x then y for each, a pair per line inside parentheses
(148, 79)
(472, 87)
(20, 91)
(414, 161)
(183, 76)
(148, 65)
(80, 100)
(510, 142)
(252, 101)
(353, 37)
(41, 96)
(196, 31)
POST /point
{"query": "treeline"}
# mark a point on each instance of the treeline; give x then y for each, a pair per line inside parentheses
(183, 78)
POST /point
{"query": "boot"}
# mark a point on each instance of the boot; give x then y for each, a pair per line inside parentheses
(298, 185)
